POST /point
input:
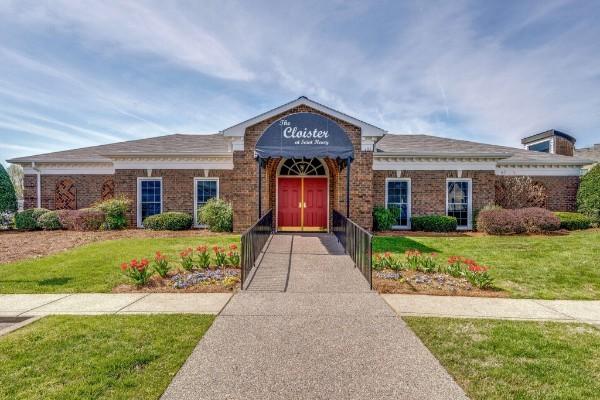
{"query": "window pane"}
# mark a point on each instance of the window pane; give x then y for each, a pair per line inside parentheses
(397, 196)
(458, 202)
(205, 190)
(543, 147)
(150, 198)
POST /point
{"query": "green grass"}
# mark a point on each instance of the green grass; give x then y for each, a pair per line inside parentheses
(543, 267)
(516, 360)
(93, 267)
(99, 357)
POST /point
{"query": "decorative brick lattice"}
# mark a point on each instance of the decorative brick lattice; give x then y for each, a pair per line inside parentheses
(108, 189)
(65, 196)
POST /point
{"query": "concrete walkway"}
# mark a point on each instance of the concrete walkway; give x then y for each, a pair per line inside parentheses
(481, 307)
(317, 333)
(23, 305)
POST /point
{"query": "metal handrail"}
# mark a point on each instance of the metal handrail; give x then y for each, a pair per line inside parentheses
(252, 242)
(357, 243)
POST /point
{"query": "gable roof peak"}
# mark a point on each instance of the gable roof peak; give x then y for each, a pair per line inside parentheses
(366, 128)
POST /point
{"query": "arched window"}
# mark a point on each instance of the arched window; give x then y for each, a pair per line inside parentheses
(108, 189)
(65, 195)
(302, 167)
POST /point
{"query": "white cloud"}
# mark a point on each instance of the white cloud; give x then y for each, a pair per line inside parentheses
(138, 27)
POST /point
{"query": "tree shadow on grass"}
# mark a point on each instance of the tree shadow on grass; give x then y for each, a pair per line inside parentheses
(399, 244)
(44, 282)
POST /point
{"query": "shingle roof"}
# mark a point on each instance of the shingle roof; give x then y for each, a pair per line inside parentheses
(409, 145)
(177, 144)
(591, 153)
(420, 145)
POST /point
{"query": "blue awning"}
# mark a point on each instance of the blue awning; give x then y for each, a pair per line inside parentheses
(304, 135)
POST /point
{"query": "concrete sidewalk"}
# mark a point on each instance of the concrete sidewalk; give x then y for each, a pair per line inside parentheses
(317, 339)
(495, 308)
(22, 305)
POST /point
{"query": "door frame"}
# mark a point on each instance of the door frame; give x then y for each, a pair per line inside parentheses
(302, 192)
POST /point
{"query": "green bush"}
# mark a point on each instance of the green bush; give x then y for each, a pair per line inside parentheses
(434, 223)
(588, 196)
(49, 221)
(28, 220)
(217, 215)
(115, 211)
(573, 221)
(384, 218)
(169, 221)
(8, 198)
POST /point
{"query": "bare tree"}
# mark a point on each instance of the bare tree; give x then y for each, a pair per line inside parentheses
(15, 172)
(520, 192)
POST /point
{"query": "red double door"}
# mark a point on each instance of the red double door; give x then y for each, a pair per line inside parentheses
(302, 204)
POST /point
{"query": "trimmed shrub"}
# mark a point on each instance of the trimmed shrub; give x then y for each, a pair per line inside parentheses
(507, 222)
(217, 215)
(434, 223)
(169, 221)
(115, 211)
(500, 222)
(49, 221)
(384, 218)
(85, 219)
(573, 221)
(28, 220)
(588, 196)
(8, 198)
(538, 220)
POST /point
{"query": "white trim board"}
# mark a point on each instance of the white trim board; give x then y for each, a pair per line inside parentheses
(380, 165)
(409, 203)
(539, 171)
(139, 197)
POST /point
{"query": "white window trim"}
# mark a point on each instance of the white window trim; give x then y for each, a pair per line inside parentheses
(139, 197)
(409, 203)
(551, 140)
(469, 204)
(196, 180)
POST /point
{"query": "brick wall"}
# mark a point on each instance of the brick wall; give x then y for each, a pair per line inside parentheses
(244, 183)
(178, 187)
(89, 189)
(428, 189)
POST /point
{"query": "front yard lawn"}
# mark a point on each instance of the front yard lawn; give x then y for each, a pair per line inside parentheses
(93, 267)
(99, 357)
(515, 360)
(543, 267)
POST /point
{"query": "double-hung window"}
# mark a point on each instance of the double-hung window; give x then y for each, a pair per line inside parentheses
(397, 194)
(204, 190)
(149, 195)
(459, 201)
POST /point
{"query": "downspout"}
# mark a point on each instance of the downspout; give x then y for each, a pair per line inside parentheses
(38, 185)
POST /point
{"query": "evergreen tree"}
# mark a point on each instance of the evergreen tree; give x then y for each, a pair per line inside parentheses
(8, 198)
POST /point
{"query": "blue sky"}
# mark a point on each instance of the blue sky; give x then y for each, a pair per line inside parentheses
(75, 73)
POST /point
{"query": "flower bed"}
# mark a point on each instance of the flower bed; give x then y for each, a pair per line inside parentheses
(196, 270)
(424, 273)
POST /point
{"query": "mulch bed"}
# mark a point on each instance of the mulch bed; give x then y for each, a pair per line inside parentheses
(23, 245)
(413, 282)
(197, 281)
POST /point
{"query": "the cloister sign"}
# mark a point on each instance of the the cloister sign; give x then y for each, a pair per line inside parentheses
(304, 135)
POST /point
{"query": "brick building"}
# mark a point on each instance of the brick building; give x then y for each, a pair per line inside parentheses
(305, 159)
